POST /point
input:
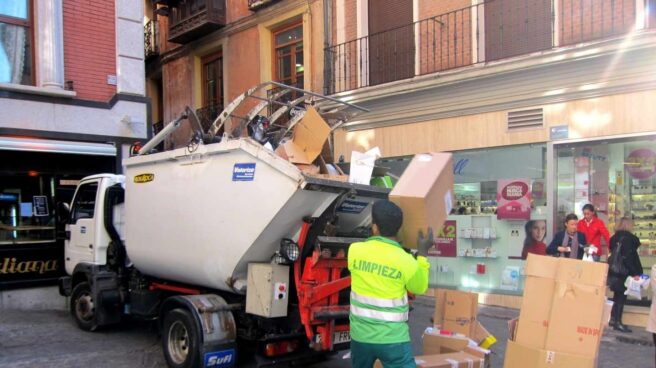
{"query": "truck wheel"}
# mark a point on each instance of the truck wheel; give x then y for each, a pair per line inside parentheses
(180, 339)
(82, 307)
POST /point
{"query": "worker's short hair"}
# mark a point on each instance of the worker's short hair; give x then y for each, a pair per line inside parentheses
(387, 216)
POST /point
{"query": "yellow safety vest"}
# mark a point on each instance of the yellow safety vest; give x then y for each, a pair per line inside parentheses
(381, 275)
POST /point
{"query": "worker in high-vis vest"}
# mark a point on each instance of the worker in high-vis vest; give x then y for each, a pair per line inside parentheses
(382, 274)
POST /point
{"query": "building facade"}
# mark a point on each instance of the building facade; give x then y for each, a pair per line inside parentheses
(72, 96)
(205, 53)
(558, 95)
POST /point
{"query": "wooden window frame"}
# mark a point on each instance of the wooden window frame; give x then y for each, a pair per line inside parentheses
(203, 62)
(29, 24)
(275, 47)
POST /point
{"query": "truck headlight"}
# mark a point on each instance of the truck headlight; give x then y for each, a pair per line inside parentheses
(289, 249)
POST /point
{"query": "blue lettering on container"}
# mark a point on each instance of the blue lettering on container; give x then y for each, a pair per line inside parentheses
(352, 207)
(220, 359)
(243, 172)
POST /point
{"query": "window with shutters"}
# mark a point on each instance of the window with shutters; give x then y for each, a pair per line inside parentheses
(16, 42)
(391, 41)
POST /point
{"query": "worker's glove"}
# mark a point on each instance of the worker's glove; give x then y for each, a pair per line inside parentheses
(424, 243)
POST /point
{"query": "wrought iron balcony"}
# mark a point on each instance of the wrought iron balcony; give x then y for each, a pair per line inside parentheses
(151, 39)
(259, 4)
(207, 114)
(192, 19)
(491, 30)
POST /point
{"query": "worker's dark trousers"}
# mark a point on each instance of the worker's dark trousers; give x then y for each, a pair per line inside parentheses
(399, 355)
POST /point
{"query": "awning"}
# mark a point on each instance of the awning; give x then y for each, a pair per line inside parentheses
(55, 146)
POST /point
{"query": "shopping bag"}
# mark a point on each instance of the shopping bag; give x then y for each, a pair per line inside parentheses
(634, 287)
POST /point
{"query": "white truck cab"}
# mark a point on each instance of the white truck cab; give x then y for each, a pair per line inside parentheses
(86, 236)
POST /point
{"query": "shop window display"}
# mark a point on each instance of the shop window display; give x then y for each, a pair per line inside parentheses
(618, 177)
(479, 249)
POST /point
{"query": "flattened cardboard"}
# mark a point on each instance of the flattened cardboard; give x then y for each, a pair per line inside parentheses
(309, 136)
(520, 356)
(425, 194)
(541, 266)
(575, 325)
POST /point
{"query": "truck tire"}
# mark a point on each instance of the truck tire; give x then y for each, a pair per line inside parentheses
(82, 307)
(180, 339)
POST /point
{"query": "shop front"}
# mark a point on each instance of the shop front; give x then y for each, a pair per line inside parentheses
(513, 199)
(35, 176)
(616, 175)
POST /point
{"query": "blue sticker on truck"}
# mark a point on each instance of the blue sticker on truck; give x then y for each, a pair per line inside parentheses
(352, 206)
(243, 172)
(220, 359)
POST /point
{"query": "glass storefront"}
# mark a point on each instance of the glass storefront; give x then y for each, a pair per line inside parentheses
(617, 176)
(31, 186)
(480, 246)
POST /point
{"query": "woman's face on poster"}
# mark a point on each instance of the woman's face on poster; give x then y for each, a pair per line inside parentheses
(538, 230)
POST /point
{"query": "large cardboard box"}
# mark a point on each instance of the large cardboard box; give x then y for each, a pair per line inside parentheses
(425, 194)
(576, 323)
(536, 304)
(456, 311)
(520, 356)
(564, 306)
(450, 360)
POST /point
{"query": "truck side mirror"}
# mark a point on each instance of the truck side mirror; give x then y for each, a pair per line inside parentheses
(63, 212)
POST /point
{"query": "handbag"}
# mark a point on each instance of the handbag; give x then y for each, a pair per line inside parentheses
(616, 260)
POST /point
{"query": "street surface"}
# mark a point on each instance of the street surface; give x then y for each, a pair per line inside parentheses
(51, 339)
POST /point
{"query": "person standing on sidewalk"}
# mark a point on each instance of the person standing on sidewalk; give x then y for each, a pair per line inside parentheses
(382, 274)
(594, 229)
(569, 242)
(626, 245)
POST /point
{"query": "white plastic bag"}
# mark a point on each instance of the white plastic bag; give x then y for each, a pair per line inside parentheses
(634, 287)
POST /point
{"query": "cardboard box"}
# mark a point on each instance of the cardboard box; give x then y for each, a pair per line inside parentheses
(425, 194)
(450, 360)
(536, 304)
(575, 324)
(442, 344)
(520, 356)
(580, 272)
(460, 311)
(310, 134)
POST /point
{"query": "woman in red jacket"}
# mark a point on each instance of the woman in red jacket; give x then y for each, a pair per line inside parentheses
(593, 228)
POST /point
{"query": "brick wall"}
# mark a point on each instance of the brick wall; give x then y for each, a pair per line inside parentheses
(90, 47)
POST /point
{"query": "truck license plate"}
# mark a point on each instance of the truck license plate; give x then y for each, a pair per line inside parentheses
(341, 337)
(338, 337)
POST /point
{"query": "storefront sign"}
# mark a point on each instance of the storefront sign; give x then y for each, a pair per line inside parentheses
(514, 199)
(22, 266)
(641, 163)
(445, 241)
(40, 205)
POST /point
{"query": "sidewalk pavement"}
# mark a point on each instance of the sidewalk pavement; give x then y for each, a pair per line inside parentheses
(50, 339)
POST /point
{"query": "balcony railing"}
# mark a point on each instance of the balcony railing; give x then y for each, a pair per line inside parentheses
(207, 114)
(494, 30)
(192, 19)
(151, 39)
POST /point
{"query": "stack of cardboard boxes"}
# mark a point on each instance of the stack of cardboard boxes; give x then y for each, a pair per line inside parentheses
(563, 313)
(456, 338)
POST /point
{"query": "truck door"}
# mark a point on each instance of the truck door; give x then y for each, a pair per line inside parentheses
(80, 231)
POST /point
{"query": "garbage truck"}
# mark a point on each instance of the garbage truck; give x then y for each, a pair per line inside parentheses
(230, 247)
